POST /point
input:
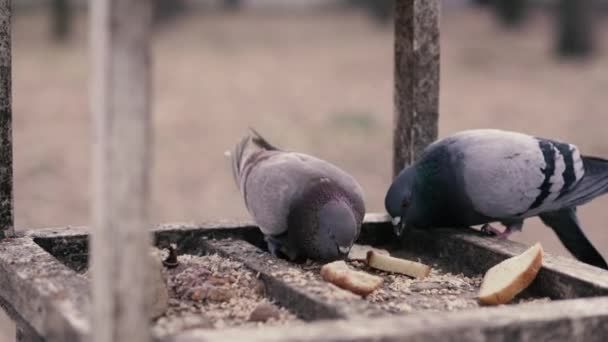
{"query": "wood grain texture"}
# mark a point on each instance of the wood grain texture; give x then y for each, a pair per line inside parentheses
(121, 171)
(6, 133)
(50, 296)
(416, 77)
(571, 320)
(465, 250)
(47, 295)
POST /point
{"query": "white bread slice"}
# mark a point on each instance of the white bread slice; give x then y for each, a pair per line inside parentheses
(339, 274)
(359, 252)
(397, 265)
(505, 280)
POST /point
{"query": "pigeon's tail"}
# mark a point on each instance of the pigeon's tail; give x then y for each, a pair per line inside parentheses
(261, 142)
(595, 165)
(565, 224)
(593, 184)
(244, 150)
(237, 159)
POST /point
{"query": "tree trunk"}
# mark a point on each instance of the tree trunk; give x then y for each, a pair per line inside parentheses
(575, 28)
(165, 10)
(232, 5)
(511, 13)
(62, 19)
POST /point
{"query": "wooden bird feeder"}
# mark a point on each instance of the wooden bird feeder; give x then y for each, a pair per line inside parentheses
(44, 274)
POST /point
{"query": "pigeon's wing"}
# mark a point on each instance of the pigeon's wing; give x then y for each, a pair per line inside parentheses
(271, 185)
(247, 153)
(261, 142)
(507, 174)
(280, 178)
(343, 180)
(565, 224)
(270, 179)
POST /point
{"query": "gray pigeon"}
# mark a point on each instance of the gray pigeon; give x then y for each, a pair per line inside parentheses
(304, 206)
(483, 176)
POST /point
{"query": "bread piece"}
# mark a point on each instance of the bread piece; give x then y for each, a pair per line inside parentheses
(505, 280)
(397, 265)
(359, 252)
(339, 274)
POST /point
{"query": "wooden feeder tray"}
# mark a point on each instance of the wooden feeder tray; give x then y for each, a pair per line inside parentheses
(44, 288)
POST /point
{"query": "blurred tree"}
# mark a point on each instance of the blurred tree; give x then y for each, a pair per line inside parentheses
(481, 2)
(511, 13)
(380, 10)
(61, 21)
(575, 28)
(232, 5)
(165, 10)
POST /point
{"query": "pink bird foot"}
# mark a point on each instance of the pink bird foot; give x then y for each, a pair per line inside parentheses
(488, 229)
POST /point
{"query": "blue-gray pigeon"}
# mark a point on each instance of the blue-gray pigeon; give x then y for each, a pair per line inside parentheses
(306, 207)
(481, 176)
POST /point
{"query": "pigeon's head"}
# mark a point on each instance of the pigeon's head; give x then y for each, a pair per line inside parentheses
(398, 200)
(324, 225)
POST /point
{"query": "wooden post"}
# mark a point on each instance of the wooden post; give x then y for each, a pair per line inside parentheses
(416, 93)
(120, 38)
(6, 132)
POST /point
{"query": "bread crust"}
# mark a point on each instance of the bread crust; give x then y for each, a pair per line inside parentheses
(397, 265)
(339, 274)
(512, 289)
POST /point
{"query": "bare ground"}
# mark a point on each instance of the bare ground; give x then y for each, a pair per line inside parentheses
(309, 81)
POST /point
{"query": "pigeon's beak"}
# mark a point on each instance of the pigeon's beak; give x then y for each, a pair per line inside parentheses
(344, 250)
(398, 225)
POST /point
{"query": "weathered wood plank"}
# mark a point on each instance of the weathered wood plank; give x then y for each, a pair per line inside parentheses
(165, 234)
(473, 253)
(465, 250)
(416, 74)
(52, 298)
(186, 237)
(71, 251)
(172, 230)
(284, 283)
(559, 278)
(70, 244)
(6, 131)
(121, 170)
(569, 320)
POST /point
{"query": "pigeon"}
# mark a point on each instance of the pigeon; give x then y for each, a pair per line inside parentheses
(306, 207)
(481, 176)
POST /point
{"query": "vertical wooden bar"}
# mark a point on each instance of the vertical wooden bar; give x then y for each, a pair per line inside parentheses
(120, 38)
(6, 132)
(416, 76)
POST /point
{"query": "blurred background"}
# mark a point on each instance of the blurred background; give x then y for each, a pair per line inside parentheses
(311, 75)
